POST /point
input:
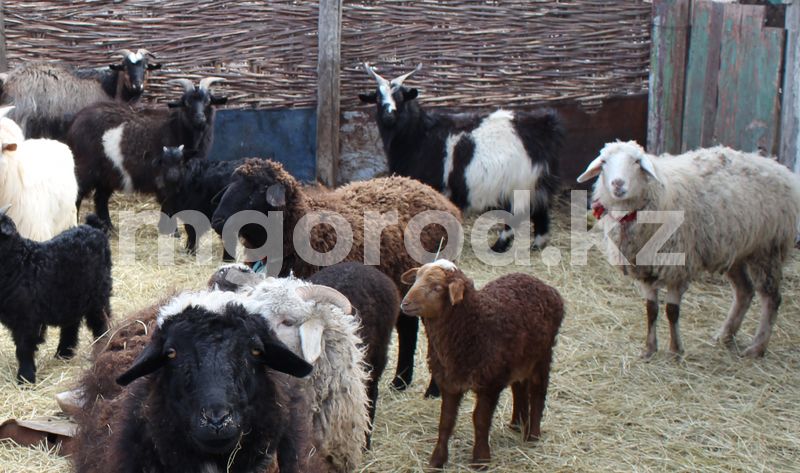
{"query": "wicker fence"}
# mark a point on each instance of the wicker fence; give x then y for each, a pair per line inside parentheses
(476, 53)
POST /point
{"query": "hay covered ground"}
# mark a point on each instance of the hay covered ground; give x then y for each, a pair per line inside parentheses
(607, 410)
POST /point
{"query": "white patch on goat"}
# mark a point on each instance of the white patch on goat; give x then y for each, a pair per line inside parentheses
(112, 146)
(500, 164)
(212, 301)
(449, 146)
(386, 97)
(135, 57)
(444, 264)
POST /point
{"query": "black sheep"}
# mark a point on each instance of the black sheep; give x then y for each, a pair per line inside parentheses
(211, 396)
(185, 183)
(377, 302)
(115, 146)
(55, 283)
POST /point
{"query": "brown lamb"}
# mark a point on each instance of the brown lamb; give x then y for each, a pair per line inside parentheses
(482, 341)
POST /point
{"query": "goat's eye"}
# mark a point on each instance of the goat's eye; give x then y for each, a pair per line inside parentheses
(287, 322)
(255, 352)
(438, 288)
(171, 353)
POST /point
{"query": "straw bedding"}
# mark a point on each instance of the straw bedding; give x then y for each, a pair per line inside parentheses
(607, 410)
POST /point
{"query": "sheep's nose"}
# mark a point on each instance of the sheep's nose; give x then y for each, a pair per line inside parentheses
(618, 183)
(217, 417)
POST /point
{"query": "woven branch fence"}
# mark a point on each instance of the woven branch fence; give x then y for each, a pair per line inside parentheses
(475, 53)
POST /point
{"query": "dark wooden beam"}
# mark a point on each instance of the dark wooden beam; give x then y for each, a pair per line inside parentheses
(3, 57)
(328, 67)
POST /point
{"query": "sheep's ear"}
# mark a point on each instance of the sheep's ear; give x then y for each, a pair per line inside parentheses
(277, 356)
(116, 67)
(149, 361)
(410, 94)
(647, 165)
(7, 227)
(456, 289)
(594, 168)
(217, 100)
(409, 276)
(311, 339)
(372, 97)
(9, 146)
(153, 66)
(276, 195)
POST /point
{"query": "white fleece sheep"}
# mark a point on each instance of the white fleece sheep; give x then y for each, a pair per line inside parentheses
(740, 215)
(37, 177)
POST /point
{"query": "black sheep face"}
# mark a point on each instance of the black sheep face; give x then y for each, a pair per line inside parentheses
(245, 192)
(209, 367)
(171, 165)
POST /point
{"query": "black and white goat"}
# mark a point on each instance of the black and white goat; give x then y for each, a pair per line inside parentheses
(187, 184)
(47, 96)
(55, 283)
(115, 146)
(478, 161)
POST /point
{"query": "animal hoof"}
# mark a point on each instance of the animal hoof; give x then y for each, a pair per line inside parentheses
(399, 384)
(647, 353)
(27, 378)
(501, 245)
(516, 427)
(755, 351)
(540, 242)
(722, 338)
(65, 354)
(479, 464)
(432, 392)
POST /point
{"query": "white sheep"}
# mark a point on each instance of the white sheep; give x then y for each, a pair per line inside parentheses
(315, 322)
(37, 177)
(740, 215)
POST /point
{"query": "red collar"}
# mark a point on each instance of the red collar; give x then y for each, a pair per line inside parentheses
(598, 211)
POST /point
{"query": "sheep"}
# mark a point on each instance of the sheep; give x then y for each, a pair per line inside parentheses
(37, 177)
(316, 322)
(477, 160)
(483, 340)
(49, 95)
(216, 392)
(115, 146)
(191, 184)
(253, 187)
(373, 295)
(55, 283)
(720, 232)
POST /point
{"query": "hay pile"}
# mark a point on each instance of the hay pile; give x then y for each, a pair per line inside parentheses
(606, 411)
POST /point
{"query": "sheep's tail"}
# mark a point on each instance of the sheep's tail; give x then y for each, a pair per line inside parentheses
(94, 221)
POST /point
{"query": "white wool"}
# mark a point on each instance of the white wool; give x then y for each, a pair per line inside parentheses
(112, 145)
(212, 301)
(444, 264)
(38, 180)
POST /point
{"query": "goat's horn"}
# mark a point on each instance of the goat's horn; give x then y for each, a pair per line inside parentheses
(145, 52)
(398, 81)
(5, 209)
(371, 71)
(319, 293)
(125, 52)
(206, 82)
(188, 86)
(4, 110)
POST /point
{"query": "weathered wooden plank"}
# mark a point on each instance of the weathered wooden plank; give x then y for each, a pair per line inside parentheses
(3, 57)
(667, 75)
(749, 80)
(328, 103)
(789, 153)
(700, 105)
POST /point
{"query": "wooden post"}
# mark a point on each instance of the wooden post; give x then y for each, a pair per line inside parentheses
(668, 55)
(790, 110)
(330, 39)
(3, 57)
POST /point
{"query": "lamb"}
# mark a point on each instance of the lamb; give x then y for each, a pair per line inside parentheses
(216, 391)
(752, 241)
(373, 295)
(115, 146)
(37, 177)
(56, 283)
(483, 340)
(477, 160)
(187, 184)
(49, 95)
(253, 187)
